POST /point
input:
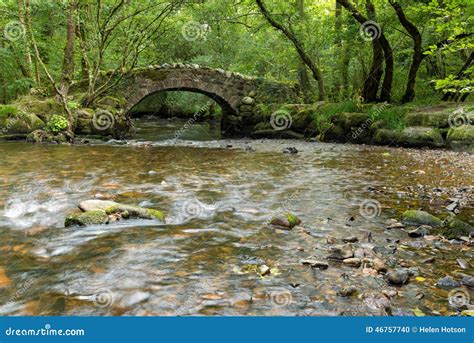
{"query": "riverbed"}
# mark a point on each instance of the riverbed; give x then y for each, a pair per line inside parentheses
(218, 196)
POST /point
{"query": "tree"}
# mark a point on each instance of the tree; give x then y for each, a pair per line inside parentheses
(288, 32)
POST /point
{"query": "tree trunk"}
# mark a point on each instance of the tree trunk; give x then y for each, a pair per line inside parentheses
(68, 60)
(298, 46)
(302, 72)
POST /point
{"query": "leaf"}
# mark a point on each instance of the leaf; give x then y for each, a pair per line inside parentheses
(469, 313)
(419, 278)
(419, 313)
(386, 154)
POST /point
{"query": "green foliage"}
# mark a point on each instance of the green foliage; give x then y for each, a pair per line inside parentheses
(57, 124)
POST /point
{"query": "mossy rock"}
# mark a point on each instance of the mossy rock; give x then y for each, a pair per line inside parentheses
(416, 217)
(386, 137)
(461, 138)
(436, 119)
(456, 228)
(16, 121)
(42, 136)
(418, 136)
(136, 212)
(111, 101)
(286, 221)
(334, 133)
(355, 120)
(97, 217)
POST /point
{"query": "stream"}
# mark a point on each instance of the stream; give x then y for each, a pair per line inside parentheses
(218, 196)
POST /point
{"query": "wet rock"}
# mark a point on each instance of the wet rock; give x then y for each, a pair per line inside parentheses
(398, 277)
(448, 282)
(390, 293)
(359, 253)
(379, 265)
(340, 252)
(264, 270)
(96, 205)
(290, 150)
(97, 217)
(136, 212)
(463, 263)
(347, 291)
(350, 239)
(395, 226)
(287, 221)
(420, 231)
(353, 262)
(415, 217)
(467, 280)
(314, 263)
(456, 228)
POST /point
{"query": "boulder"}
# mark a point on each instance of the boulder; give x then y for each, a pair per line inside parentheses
(419, 136)
(416, 217)
(456, 228)
(95, 205)
(461, 138)
(97, 217)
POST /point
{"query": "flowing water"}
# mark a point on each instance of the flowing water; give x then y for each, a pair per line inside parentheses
(218, 196)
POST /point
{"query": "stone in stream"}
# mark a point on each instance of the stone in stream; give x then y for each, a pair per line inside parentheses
(353, 262)
(350, 239)
(264, 270)
(287, 221)
(467, 280)
(290, 150)
(340, 252)
(420, 231)
(463, 263)
(347, 291)
(415, 217)
(448, 282)
(314, 263)
(379, 265)
(398, 277)
(456, 228)
(98, 212)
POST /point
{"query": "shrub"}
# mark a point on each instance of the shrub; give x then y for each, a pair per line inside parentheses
(57, 124)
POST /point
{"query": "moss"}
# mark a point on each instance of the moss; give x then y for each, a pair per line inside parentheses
(461, 133)
(456, 228)
(417, 136)
(439, 120)
(293, 219)
(415, 217)
(136, 212)
(87, 218)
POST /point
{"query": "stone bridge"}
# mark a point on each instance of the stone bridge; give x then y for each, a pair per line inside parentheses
(238, 95)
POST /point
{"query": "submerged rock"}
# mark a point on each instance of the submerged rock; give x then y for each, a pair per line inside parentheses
(448, 282)
(341, 252)
(414, 217)
(353, 262)
(347, 291)
(314, 263)
(398, 277)
(420, 231)
(286, 221)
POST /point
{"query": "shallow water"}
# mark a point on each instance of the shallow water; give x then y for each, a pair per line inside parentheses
(218, 197)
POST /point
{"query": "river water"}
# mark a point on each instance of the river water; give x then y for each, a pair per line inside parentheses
(218, 196)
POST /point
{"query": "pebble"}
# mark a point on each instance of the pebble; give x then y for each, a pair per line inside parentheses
(379, 265)
(341, 252)
(463, 263)
(351, 239)
(448, 282)
(468, 281)
(418, 232)
(390, 293)
(315, 263)
(347, 291)
(290, 150)
(395, 226)
(398, 277)
(353, 262)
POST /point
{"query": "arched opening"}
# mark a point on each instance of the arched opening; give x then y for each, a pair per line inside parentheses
(179, 113)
